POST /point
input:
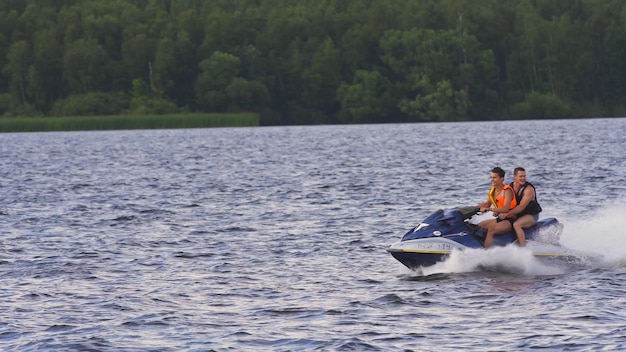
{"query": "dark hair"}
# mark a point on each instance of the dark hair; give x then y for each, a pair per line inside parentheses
(498, 170)
(518, 169)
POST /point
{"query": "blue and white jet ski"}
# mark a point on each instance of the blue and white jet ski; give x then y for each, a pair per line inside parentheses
(442, 232)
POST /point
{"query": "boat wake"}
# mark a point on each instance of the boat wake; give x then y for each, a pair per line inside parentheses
(603, 233)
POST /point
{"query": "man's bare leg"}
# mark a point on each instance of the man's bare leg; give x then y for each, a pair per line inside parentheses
(519, 225)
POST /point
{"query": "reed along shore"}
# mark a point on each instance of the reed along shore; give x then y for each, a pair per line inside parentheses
(128, 122)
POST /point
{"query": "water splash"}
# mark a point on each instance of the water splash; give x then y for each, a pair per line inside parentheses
(510, 259)
(603, 233)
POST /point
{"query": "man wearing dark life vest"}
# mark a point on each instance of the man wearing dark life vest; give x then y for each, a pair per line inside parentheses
(500, 200)
(527, 211)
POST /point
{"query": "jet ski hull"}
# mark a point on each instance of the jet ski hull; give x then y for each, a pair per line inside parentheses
(422, 252)
(415, 261)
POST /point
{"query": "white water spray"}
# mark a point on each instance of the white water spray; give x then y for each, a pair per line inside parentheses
(509, 259)
(603, 233)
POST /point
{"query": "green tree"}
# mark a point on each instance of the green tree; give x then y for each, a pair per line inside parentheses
(320, 80)
(92, 103)
(438, 102)
(138, 53)
(144, 102)
(7, 24)
(217, 73)
(429, 68)
(242, 95)
(365, 99)
(539, 105)
(84, 66)
(175, 68)
(48, 67)
(19, 62)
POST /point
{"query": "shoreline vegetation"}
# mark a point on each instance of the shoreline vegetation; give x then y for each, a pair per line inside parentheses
(147, 122)
(128, 122)
(312, 62)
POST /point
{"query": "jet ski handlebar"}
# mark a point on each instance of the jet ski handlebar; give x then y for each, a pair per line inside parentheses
(468, 212)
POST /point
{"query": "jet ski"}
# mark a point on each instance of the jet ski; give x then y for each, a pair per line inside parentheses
(432, 240)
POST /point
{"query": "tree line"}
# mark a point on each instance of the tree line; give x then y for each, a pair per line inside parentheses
(315, 61)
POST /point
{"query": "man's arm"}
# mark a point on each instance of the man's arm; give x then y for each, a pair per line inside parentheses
(529, 194)
(485, 205)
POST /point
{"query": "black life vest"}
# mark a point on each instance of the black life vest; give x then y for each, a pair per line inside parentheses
(533, 206)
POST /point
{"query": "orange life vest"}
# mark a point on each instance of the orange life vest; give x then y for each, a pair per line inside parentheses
(498, 199)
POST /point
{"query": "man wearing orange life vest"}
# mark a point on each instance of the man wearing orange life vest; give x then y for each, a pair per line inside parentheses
(500, 200)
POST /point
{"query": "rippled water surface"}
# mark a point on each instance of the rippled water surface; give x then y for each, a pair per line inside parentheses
(274, 239)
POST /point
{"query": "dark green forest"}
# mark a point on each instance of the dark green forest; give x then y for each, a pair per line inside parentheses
(315, 61)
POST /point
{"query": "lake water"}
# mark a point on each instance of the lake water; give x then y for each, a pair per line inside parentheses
(274, 238)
